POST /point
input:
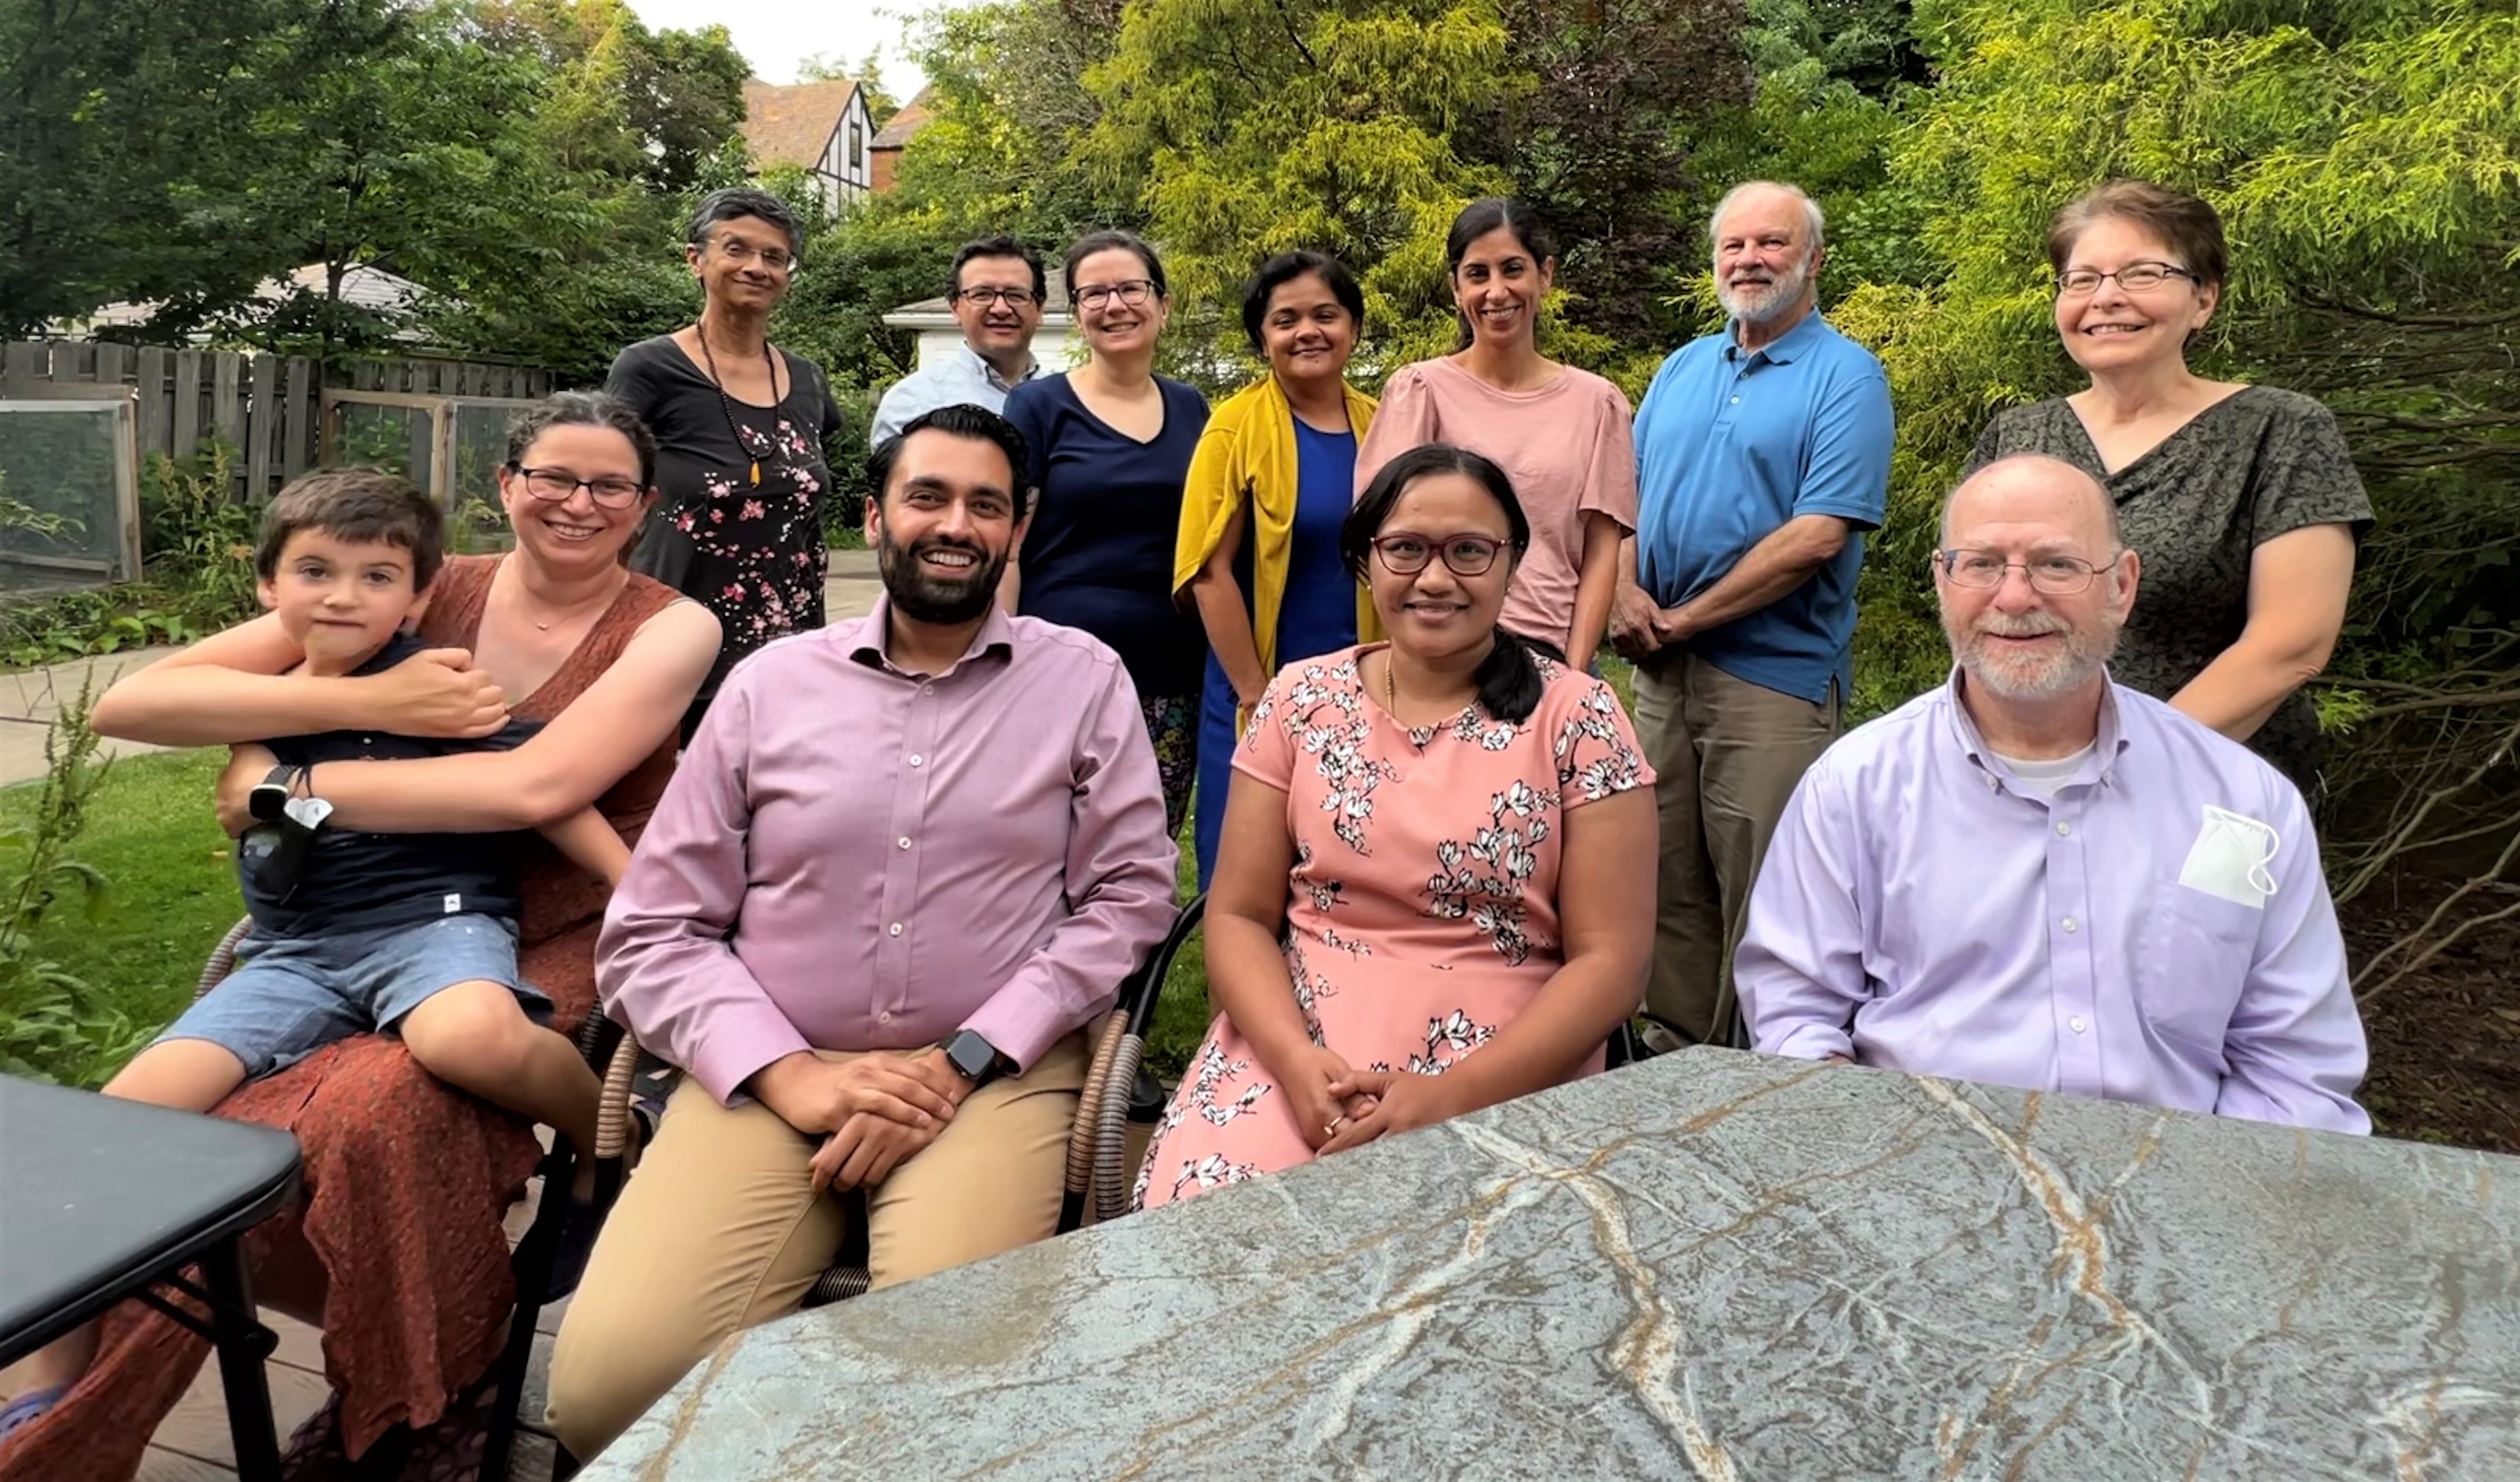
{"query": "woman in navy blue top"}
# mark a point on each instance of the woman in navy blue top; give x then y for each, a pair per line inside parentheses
(1111, 443)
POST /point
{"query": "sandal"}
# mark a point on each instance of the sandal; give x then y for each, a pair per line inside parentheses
(29, 1407)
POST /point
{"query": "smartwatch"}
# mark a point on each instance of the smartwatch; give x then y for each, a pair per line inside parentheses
(269, 798)
(972, 1058)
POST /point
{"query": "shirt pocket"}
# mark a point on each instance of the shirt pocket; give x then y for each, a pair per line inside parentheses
(2191, 960)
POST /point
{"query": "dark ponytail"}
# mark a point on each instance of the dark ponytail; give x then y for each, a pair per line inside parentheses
(1509, 678)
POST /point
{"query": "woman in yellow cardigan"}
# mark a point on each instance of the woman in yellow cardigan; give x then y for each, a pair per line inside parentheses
(1270, 486)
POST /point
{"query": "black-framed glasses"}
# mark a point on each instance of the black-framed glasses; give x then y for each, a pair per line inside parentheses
(2133, 278)
(559, 486)
(1132, 293)
(2049, 576)
(1466, 555)
(1014, 298)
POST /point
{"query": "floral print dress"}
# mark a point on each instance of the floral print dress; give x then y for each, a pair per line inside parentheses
(1422, 913)
(740, 527)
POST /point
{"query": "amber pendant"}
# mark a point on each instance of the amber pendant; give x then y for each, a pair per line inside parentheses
(756, 473)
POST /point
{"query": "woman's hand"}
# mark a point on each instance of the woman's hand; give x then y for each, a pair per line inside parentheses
(248, 766)
(437, 693)
(1320, 1111)
(1399, 1101)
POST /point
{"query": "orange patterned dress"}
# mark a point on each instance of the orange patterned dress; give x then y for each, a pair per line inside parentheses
(407, 1179)
(1421, 914)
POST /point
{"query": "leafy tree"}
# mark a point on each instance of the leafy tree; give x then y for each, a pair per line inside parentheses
(1245, 130)
(2367, 164)
(122, 157)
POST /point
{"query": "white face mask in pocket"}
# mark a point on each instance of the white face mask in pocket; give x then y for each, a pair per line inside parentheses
(2230, 858)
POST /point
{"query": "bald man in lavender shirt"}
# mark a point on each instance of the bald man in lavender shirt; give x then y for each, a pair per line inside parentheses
(903, 863)
(2035, 877)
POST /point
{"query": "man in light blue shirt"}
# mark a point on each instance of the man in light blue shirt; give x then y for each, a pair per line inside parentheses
(998, 291)
(2033, 876)
(1763, 455)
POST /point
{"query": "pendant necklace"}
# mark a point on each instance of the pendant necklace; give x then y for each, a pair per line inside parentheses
(726, 403)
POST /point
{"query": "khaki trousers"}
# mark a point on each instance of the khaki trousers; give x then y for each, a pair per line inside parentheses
(1726, 755)
(720, 1228)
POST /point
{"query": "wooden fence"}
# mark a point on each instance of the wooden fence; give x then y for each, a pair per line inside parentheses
(268, 407)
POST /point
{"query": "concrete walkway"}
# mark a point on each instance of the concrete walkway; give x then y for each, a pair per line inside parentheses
(31, 699)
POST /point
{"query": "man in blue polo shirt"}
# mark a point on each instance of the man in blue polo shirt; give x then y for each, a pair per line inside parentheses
(1763, 455)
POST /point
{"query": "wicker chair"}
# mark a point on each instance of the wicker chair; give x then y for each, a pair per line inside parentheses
(1098, 1175)
(531, 1261)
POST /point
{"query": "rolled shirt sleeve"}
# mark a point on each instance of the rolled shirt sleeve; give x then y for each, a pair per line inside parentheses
(664, 964)
(1121, 866)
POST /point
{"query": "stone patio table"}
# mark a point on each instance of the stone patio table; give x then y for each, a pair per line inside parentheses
(1712, 1265)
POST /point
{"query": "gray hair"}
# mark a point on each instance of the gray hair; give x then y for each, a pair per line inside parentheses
(735, 204)
(1814, 224)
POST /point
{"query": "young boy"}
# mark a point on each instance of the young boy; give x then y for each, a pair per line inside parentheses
(410, 934)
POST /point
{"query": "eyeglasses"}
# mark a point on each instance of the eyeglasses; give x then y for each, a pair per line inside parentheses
(1132, 293)
(771, 258)
(559, 486)
(1466, 555)
(2133, 278)
(1014, 298)
(2049, 576)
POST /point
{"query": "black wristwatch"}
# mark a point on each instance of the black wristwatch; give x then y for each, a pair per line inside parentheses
(270, 796)
(974, 1058)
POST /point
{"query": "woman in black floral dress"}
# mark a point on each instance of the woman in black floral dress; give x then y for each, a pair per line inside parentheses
(739, 433)
(2240, 500)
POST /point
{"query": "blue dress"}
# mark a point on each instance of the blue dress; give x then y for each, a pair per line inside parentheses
(1098, 555)
(1315, 615)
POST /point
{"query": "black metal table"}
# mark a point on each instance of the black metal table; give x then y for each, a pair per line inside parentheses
(103, 1199)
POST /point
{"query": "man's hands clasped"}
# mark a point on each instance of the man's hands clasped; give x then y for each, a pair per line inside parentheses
(872, 1113)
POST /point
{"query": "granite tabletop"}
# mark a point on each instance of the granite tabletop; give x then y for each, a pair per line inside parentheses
(1711, 1265)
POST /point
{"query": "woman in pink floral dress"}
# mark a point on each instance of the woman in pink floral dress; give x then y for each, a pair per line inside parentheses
(1435, 888)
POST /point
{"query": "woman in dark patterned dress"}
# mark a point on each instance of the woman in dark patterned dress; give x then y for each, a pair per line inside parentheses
(1427, 898)
(2240, 500)
(739, 433)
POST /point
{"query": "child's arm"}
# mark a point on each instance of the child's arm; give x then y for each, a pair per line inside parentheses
(587, 837)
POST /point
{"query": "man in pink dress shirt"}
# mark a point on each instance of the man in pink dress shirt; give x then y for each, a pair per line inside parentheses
(902, 865)
(2031, 877)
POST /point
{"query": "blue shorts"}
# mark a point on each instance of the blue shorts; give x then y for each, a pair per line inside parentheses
(290, 996)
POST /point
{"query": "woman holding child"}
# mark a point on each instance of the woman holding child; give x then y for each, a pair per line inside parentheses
(397, 1246)
(1427, 899)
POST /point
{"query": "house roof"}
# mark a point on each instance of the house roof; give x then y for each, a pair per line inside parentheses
(912, 117)
(789, 125)
(375, 289)
(939, 310)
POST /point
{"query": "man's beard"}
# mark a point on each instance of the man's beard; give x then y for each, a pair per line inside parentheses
(916, 593)
(1756, 304)
(2058, 672)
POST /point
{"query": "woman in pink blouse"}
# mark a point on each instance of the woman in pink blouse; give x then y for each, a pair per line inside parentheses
(1560, 433)
(1427, 899)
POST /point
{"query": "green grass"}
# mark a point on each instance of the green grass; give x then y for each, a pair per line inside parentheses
(170, 886)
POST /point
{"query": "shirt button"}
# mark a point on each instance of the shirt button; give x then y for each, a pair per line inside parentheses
(2064, 828)
(916, 759)
(1737, 401)
(896, 928)
(885, 1017)
(2077, 1022)
(2069, 925)
(905, 841)
(927, 689)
